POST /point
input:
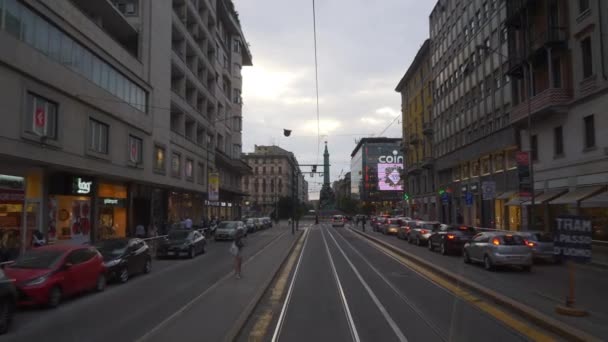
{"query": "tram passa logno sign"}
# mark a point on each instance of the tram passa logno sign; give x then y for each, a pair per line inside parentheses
(572, 238)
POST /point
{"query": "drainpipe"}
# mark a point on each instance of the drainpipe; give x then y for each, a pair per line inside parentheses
(603, 60)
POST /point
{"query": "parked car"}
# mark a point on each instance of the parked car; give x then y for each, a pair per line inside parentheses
(184, 242)
(125, 257)
(251, 225)
(451, 239)
(378, 222)
(45, 275)
(498, 248)
(337, 221)
(420, 233)
(391, 226)
(8, 302)
(227, 230)
(267, 222)
(404, 230)
(541, 244)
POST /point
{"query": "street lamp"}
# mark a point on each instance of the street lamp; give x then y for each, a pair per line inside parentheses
(530, 158)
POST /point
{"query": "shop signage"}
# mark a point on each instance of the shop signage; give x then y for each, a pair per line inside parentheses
(11, 182)
(11, 196)
(214, 186)
(394, 159)
(474, 187)
(81, 185)
(463, 189)
(523, 172)
(468, 199)
(573, 238)
(113, 201)
(488, 190)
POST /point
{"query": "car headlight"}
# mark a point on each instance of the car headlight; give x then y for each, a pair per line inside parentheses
(112, 263)
(37, 281)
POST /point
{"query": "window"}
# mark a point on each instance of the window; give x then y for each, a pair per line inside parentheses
(583, 5)
(587, 57)
(200, 173)
(236, 95)
(189, 170)
(12, 18)
(41, 117)
(236, 46)
(159, 158)
(557, 73)
(534, 147)
(280, 170)
(589, 131)
(98, 138)
(176, 167)
(558, 141)
(135, 149)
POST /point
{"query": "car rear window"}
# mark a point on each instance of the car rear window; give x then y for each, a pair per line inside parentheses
(512, 240)
(465, 229)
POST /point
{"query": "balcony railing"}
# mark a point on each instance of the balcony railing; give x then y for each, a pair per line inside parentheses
(549, 100)
(552, 36)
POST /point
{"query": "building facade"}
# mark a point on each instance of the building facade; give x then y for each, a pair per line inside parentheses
(376, 169)
(276, 174)
(114, 127)
(416, 89)
(558, 55)
(473, 140)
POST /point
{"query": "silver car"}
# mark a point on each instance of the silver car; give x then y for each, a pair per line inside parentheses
(497, 249)
(227, 230)
(541, 244)
(420, 233)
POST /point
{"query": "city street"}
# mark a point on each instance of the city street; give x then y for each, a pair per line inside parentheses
(346, 289)
(138, 309)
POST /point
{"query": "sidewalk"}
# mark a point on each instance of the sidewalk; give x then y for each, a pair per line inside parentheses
(213, 315)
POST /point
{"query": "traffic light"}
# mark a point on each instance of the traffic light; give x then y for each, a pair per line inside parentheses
(441, 191)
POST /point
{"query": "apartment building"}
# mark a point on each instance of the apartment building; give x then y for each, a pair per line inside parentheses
(473, 140)
(416, 89)
(557, 50)
(273, 178)
(106, 125)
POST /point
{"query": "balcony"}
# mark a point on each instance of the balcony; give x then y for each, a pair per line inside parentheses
(551, 100)
(414, 139)
(428, 162)
(515, 9)
(414, 169)
(427, 128)
(551, 37)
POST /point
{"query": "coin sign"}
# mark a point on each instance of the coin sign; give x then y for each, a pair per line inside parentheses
(40, 117)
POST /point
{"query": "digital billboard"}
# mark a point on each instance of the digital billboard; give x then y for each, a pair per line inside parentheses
(389, 177)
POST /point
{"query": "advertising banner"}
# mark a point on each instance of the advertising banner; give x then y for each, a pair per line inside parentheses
(214, 186)
(523, 172)
(389, 177)
(573, 238)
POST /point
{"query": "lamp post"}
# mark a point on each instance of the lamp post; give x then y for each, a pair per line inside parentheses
(529, 124)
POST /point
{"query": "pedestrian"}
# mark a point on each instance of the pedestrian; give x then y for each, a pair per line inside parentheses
(188, 223)
(140, 231)
(152, 230)
(289, 222)
(236, 249)
(363, 222)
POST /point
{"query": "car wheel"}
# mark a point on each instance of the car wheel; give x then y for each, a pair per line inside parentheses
(54, 297)
(467, 258)
(430, 245)
(148, 266)
(101, 283)
(5, 315)
(527, 268)
(124, 275)
(444, 249)
(487, 263)
(191, 253)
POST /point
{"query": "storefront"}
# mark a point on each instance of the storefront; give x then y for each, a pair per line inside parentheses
(12, 201)
(596, 209)
(70, 203)
(111, 211)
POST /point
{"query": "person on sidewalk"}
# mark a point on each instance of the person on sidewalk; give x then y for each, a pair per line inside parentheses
(140, 231)
(236, 248)
(363, 222)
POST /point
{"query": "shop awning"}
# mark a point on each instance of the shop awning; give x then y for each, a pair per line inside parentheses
(573, 197)
(546, 196)
(516, 201)
(505, 195)
(598, 201)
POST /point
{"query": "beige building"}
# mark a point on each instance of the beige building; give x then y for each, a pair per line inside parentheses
(115, 113)
(272, 178)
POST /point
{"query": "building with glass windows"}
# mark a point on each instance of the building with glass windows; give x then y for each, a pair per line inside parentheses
(115, 114)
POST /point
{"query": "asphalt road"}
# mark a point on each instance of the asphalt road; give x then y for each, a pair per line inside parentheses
(543, 289)
(347, 290)
(128, 312)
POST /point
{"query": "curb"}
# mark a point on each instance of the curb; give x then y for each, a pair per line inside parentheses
(236, 329)
(559, 328)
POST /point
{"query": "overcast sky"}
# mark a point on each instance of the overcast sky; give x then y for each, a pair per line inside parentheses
(364, 48)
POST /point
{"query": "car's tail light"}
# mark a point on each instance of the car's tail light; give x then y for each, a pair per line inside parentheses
(423, 231)
(451, 236)
(495, 242)
(529, 243)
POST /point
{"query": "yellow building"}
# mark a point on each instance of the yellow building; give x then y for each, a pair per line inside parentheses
(416, 88)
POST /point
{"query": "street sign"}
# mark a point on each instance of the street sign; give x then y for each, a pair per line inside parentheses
(214, 187)
(523, 174)
(488, 189)
(445, 197)
(573, 238)
(468, 198)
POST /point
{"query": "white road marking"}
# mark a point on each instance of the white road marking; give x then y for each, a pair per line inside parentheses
(281, 320)
(371, 293)
(351, 322)
(390, 284)
(167, 320)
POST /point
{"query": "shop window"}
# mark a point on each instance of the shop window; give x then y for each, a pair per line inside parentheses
(159, 158)
(112, 200)
(499, 162)
(485, 166)
(511, 161)
(475, 168)
(71, 219)
(176, 164)
(189, 169)
(41, 117)
(135, 150)
(98, 136)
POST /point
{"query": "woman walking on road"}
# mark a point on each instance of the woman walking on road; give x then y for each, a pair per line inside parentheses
(236, 248)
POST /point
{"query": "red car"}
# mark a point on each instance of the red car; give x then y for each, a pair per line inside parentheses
(47, 274)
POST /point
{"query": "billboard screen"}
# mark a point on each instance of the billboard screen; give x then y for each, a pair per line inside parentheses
(389, 177)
